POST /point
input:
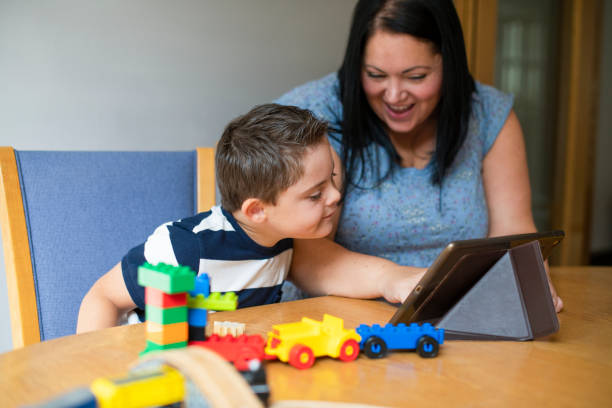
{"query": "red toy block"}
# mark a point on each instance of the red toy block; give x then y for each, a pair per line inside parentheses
(156, 297)
(238, 350)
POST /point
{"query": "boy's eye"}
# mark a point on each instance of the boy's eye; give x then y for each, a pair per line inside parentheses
(315, 197)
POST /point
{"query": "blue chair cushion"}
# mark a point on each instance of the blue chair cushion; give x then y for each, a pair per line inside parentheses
(85, 210)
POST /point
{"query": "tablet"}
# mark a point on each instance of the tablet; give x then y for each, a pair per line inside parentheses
(458, 267)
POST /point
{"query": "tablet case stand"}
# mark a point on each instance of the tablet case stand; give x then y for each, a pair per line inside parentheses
(511, 301)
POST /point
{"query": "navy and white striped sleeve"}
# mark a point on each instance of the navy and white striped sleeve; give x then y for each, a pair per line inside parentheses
(171, 244)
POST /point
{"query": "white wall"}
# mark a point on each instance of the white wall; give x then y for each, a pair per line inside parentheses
(152, 74)
(601, 231)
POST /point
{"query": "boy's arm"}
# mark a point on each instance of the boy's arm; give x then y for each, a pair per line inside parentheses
(323, 267)
(106, 301)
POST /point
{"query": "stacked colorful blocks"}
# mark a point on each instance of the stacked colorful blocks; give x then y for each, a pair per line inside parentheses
(177, 304)
(166, 308)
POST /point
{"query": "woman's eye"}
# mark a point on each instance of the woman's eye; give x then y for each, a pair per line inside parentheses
(374, 75)
(416, 77)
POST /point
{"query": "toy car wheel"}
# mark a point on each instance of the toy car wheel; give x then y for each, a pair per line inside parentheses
(427, 347)
(349, 350)
(375, 347)
(301, 356)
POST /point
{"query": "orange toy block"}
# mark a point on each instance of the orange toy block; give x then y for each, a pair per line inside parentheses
(167, 333)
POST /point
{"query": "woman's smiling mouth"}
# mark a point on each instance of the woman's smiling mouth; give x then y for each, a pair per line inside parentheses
(398, 111)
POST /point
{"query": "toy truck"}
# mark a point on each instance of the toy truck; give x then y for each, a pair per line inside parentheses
(376, 341)
(301, 342)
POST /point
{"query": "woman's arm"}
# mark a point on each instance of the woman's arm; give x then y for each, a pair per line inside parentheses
(506, 183)
(323, 267)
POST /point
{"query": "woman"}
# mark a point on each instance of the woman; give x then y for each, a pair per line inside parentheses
(429, 155)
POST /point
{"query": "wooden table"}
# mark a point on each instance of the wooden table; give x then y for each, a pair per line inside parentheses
(571, 368)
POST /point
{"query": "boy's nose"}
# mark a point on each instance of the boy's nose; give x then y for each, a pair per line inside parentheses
(334, 196)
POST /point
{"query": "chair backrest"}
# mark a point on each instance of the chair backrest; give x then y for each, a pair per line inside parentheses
(69, 216)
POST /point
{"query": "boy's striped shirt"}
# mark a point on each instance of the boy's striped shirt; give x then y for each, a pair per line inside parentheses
(213, 242)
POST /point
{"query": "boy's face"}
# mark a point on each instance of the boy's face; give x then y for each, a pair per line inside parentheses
(307, 208)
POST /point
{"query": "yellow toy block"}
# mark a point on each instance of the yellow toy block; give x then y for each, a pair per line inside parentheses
(163, 386)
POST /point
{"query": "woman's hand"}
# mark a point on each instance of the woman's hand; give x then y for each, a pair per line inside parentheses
(557, 301)
(553, 292)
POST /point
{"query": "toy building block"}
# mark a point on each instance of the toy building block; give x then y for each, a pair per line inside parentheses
(152, 347)
(160, 387)
(238, 350)
(166, 312)
(167, 315)
(167, 278)
(376, 341)
(197, 333)
(225, 328)
(300, 342)
(215, 301)
(201, 285)
(176, 305)
(167, 333)
(197, 316)
(155, 297)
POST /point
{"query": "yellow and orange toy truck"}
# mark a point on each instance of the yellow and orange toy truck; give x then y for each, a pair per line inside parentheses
(301, 342)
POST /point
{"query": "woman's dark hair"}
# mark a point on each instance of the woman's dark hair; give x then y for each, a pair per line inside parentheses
(435, 21)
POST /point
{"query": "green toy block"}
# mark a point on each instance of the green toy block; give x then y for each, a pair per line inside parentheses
(167, 278)
(166, 315)
(215, 301)
(154, 347)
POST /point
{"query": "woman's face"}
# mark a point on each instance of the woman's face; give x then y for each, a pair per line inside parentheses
(402, 80)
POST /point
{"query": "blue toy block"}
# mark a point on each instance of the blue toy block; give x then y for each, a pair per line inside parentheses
(202, 286)
(197, 317)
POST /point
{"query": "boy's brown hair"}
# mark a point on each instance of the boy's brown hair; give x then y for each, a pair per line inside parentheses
(260, 153)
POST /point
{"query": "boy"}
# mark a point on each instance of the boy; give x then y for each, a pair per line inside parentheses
(275, 174)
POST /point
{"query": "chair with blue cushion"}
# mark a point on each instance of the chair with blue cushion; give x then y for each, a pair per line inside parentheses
(69, 216)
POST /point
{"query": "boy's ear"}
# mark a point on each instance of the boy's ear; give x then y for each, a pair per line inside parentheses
(254, 208)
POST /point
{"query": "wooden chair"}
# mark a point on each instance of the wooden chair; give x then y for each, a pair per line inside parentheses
(68, 217)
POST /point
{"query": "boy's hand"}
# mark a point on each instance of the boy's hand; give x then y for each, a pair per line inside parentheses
(396, 284)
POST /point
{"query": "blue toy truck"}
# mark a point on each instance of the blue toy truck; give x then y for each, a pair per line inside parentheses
(376, 341)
